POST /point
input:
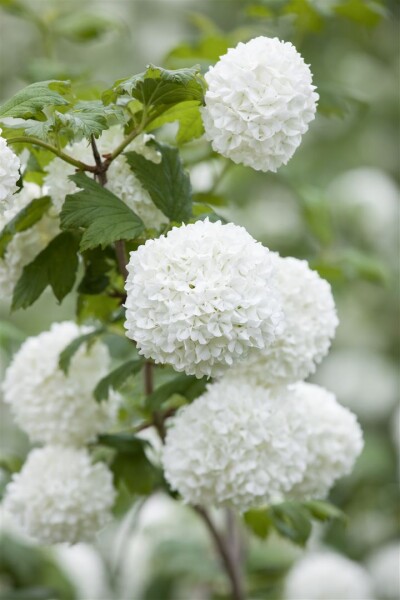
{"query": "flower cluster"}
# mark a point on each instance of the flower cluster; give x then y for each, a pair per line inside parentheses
(120, 178)
(330, 576)
(224, 448)
(51, 406)
(259, 103)
(309, 326)
(60, 495)
(9, 173)
(243, 445)
(202, 297)
(26, 244)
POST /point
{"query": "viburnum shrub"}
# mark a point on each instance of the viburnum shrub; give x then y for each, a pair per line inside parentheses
(89, 192)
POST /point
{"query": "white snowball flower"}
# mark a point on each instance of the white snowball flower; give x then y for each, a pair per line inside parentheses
(384, 567)
(236, 445)
(120, 178)
(49, 405)
(364, 380)
(327, 576)
(60, 496)
(310, 323)
(201, 297)
(9, 173)
(259, 102)
(334, 440)
(25, 245)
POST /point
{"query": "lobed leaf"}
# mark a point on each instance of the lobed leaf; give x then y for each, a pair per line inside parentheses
(68, 353)
(29, 102)
(186, 385)
(167, 182)
(104, 216)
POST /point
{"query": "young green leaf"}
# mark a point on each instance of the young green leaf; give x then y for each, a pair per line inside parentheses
(259, 522)
(188, 386)
(117, 378)
(323, 511)
(104, 216)
(30, 102)
(189, 117)
(23, 220)
(56, 266)
(163, 87)
(96, 307)
(130, 463)
(167, 182)
(292, 521)
(68, 353)
(89, 118)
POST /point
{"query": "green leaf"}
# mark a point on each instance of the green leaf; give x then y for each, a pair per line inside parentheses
(23, 220)
(68, 353)
(185, 385)
(98, 266)
(167, 182)
(117, 378)
(324, 511)
(292, 521)
(163, 87)
(259, 522)
(105, 217)
(363, 12)
(40, 129)
(189, 117)
(30, 102)
(89, 118)
(84, 27)
(130, 464)
(96, 307)
(56, 266)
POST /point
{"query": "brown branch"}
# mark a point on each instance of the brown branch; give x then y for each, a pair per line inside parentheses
(227, 559)
(101, 171)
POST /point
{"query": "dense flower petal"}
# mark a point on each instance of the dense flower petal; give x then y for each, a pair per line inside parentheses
(259, 102)
(49, 405)
(202, 297)
(60, 496)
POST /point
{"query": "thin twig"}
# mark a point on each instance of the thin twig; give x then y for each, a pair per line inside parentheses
(229, 563)
(65, 157)
(101, 172)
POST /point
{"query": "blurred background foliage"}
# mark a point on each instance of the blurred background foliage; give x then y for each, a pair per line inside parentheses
(335, 204)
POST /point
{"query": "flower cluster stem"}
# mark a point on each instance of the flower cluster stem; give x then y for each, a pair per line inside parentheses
(229, 557)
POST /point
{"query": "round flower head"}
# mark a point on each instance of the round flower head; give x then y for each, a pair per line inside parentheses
(237, 445)
(327, 576)
(60, 496)
(334, 440)
(259, 102)
(9, 173)
(120, 178)
(24, 246)
(383, 566)
(201, 297)
(309, 326)
(51, 406)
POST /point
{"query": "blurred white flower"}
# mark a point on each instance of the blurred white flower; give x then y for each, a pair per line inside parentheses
(327, 576)
(309, 325)
(334, 440)
(9, 173)
(120, 178)
(49, 405)
(259, 102)
(84, 566)
(25, 245)
(368, 199)
(202, 297)
(365, 381)
(237, 445)
(60, 496)
(384, 567)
